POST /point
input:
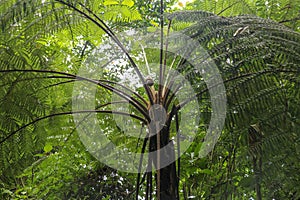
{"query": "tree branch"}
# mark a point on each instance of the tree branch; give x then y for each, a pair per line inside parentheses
(70, 113)
(110, 33)
(119, 92)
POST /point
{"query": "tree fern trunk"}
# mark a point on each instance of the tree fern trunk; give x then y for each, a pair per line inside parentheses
(168, 180)
(168, 177)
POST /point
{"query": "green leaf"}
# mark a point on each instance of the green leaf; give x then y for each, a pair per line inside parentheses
(128, 3)
(110, 2)
(125, 12)
(48, 147)
(206, 171)
(39, 154)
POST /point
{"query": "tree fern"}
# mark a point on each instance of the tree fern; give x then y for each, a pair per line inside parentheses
(257, 58)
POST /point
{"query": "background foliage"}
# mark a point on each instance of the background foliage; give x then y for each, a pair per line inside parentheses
(260, 144)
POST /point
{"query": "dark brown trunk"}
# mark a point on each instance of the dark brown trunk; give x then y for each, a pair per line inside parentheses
(168, 180)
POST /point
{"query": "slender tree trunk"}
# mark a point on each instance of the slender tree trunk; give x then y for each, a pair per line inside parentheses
(255, 140)
(168, 180)
(168, 177)
(257, 164)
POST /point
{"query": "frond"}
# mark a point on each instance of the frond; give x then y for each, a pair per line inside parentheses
(259, 63)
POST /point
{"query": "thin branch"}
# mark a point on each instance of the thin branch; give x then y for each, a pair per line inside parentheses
(126, 88)
(151, 181)
(178, 151)
(178, 146)
(166, 50)
(182, 104)
(84, 118)
(110, 33)
(167, 83)
(167, 92)
(165, 63)
(160, 87)
(73, 80)
(161, 55)
(290, 20)
(149, 167)
(121, 93)
(57, 84)
(227, 7)
(169, 100)
(171, 82)
(70, 113)
(147, 184)
(140, 166)
(145, 58)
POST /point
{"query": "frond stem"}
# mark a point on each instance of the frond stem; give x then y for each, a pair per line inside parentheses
(70, 113)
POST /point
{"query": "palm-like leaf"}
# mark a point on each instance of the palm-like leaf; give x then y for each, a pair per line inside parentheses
(259, 62)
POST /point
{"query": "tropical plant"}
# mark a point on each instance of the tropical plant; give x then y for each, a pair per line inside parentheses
(258, 62)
